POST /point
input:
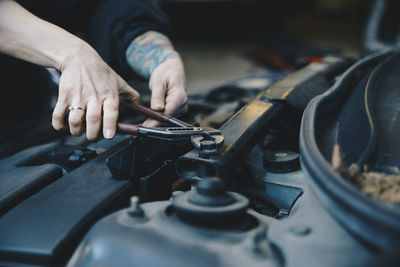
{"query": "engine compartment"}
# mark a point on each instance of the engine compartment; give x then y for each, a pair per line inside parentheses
(67, 201)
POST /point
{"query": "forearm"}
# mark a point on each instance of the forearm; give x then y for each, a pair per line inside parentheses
(30, 38)
(148, 51)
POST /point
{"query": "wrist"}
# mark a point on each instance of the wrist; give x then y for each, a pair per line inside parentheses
(74, 49)
(146, 52)
(145, 63)
(164, 55)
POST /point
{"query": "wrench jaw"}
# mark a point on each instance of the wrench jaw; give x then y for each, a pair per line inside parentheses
(180, 134)
(204, 139)
(178, 123)
(208, 142)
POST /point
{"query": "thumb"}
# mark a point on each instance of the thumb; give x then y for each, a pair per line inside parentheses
(128, 95)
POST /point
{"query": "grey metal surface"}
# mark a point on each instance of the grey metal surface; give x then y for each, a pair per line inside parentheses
(161, 239)
(310, 236)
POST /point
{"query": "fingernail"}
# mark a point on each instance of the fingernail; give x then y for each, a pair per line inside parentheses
(109, 133)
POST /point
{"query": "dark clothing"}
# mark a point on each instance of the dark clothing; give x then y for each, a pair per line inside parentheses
(107, 25)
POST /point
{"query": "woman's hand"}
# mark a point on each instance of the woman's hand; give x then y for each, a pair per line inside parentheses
(90, 90)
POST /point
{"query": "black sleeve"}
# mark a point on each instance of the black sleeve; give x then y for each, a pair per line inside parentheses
(115, 23)
(107, 25)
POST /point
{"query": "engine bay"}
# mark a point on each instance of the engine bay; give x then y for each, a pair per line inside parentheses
(262, 197)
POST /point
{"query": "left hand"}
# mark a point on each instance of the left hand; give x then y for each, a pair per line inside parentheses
(168, 89)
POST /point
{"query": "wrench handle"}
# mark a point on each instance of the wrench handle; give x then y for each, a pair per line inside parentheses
(128, 129)
(148, 112)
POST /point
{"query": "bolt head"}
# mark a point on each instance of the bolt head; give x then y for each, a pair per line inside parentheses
(207, 144)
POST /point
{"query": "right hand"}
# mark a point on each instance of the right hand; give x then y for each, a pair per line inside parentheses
(168, 89)
(88, 82)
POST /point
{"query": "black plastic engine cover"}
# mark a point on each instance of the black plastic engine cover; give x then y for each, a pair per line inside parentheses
(44, 228)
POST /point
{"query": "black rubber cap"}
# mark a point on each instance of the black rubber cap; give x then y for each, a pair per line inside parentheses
(211, 186)
(211, 192)
(210, 204)
(281, 161)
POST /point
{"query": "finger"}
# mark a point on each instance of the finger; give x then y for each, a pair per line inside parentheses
(128, 94)
(176, 102)
(58, 116)
(151, 123)
(158, 90)
(93, 119)
(110, 117)
(75, 119)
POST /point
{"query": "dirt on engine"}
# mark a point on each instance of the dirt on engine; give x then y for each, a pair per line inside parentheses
(379, 185)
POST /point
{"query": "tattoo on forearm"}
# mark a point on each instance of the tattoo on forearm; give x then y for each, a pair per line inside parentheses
(148, 51)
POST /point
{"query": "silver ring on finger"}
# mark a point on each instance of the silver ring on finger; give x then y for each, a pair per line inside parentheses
(76, 108)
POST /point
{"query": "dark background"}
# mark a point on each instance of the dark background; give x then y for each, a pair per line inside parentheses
(222, 40)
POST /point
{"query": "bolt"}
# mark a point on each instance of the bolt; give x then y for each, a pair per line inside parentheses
(135, 209)
(134, 202)
(208, 144)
